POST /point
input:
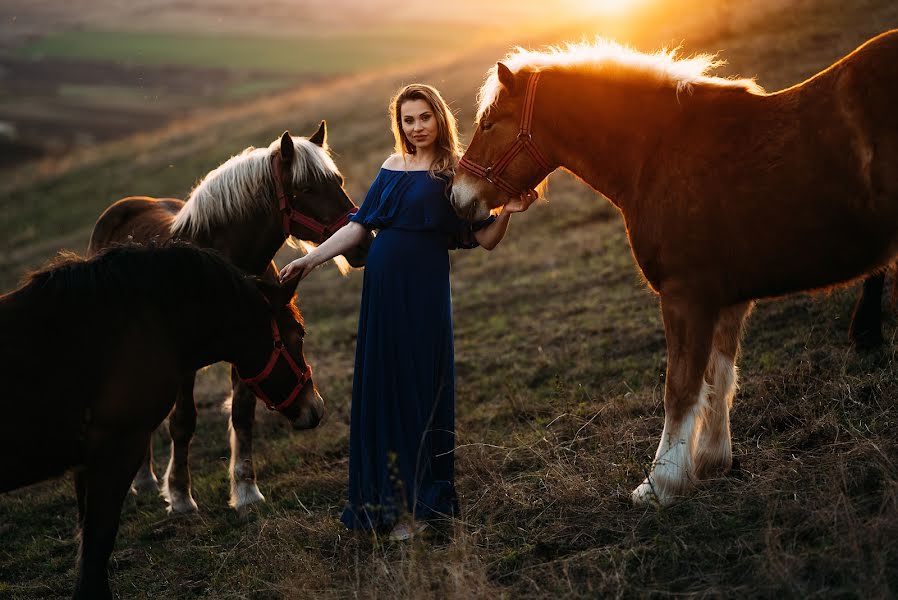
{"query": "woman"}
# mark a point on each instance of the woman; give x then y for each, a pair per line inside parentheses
(402, 430)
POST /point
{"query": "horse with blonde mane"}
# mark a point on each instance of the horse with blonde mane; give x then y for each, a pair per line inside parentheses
(729, 194)
(245, 209)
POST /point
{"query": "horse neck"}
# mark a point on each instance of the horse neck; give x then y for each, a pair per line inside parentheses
(202, 327)
(603, 132)
(251, 243)
(190, 322)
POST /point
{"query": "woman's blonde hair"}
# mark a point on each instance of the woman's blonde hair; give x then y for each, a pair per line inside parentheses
(448, 149)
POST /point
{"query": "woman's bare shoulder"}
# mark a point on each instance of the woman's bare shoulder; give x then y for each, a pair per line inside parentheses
(394, 162)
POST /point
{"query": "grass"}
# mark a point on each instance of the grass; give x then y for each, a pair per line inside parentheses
(106, 92)
(347, 52)
(253, 88)
(560, 361)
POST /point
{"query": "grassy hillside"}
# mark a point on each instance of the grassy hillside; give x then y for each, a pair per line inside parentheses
(76, 74)
(560, 362)
(309, 54)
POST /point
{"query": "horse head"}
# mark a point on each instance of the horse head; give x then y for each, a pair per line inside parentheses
(503, 159)
(310, 191)
(273, 365)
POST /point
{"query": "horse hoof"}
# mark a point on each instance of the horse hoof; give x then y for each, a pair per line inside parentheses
(185, 508)
(644, 495)
(245, 495)
(179, 504)
(147, 485)
(709, 465)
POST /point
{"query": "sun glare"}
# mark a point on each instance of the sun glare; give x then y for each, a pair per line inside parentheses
(610, 8)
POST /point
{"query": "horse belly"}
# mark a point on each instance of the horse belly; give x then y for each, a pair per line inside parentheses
(746, 257)
(784, 262)
(38, 441)
(35, 462)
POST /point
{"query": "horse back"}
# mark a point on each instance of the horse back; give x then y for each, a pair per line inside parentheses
(798, 189)
(135, 218)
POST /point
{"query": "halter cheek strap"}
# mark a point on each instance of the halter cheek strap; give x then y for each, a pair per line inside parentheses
(320, 231)
(302, 375)
(523, 142)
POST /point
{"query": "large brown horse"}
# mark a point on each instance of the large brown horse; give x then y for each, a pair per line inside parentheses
(246, 208)
(729, 194)
(95, 352)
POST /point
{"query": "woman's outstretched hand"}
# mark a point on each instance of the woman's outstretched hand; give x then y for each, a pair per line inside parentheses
(301, 266)
(522, 202)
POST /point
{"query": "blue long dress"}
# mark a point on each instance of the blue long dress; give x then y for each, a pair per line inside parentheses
(402, 427)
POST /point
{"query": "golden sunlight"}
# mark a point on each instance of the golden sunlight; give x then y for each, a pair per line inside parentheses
(607, 8)
(611, 7)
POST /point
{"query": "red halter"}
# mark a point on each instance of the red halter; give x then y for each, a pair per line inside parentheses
(291, 215)
(524, 141)
(302, 375)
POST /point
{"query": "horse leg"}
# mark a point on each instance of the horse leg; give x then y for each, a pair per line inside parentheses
(181, 425)
(105, 483)
(146, 480)
(714, 451)
(866, 320)
(80, 479)
(689, 329)
(244, 490)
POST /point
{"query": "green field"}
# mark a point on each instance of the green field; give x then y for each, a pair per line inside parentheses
(315, 54)
(560, 361)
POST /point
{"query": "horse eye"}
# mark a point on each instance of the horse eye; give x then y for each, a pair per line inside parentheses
(486, 125)
(305, 190)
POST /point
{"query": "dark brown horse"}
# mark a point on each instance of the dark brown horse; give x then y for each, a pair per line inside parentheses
(96, 351)
(729, 194)
(246, 208)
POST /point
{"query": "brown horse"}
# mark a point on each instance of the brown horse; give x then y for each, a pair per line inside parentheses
(246, 208)
(729, 194)
(96, 351)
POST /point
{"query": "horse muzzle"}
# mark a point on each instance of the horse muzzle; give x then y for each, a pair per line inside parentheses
(466, 199)
(311, 413)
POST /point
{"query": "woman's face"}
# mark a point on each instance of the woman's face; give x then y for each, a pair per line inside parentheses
(419, 124)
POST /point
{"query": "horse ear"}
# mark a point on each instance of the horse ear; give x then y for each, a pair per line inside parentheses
(288, 290)
(288, 152)
(319, 138)
(506, 77)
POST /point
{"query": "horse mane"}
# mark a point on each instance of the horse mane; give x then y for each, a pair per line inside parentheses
(243, 185)
(165, 274)
(605, 55)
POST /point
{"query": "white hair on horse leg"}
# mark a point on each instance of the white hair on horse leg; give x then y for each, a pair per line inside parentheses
(713, 452)
(672, 471)
(244, 490)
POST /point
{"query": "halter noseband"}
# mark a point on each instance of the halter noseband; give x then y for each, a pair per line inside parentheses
(524, 141)
(291, 215)
(302, 375)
